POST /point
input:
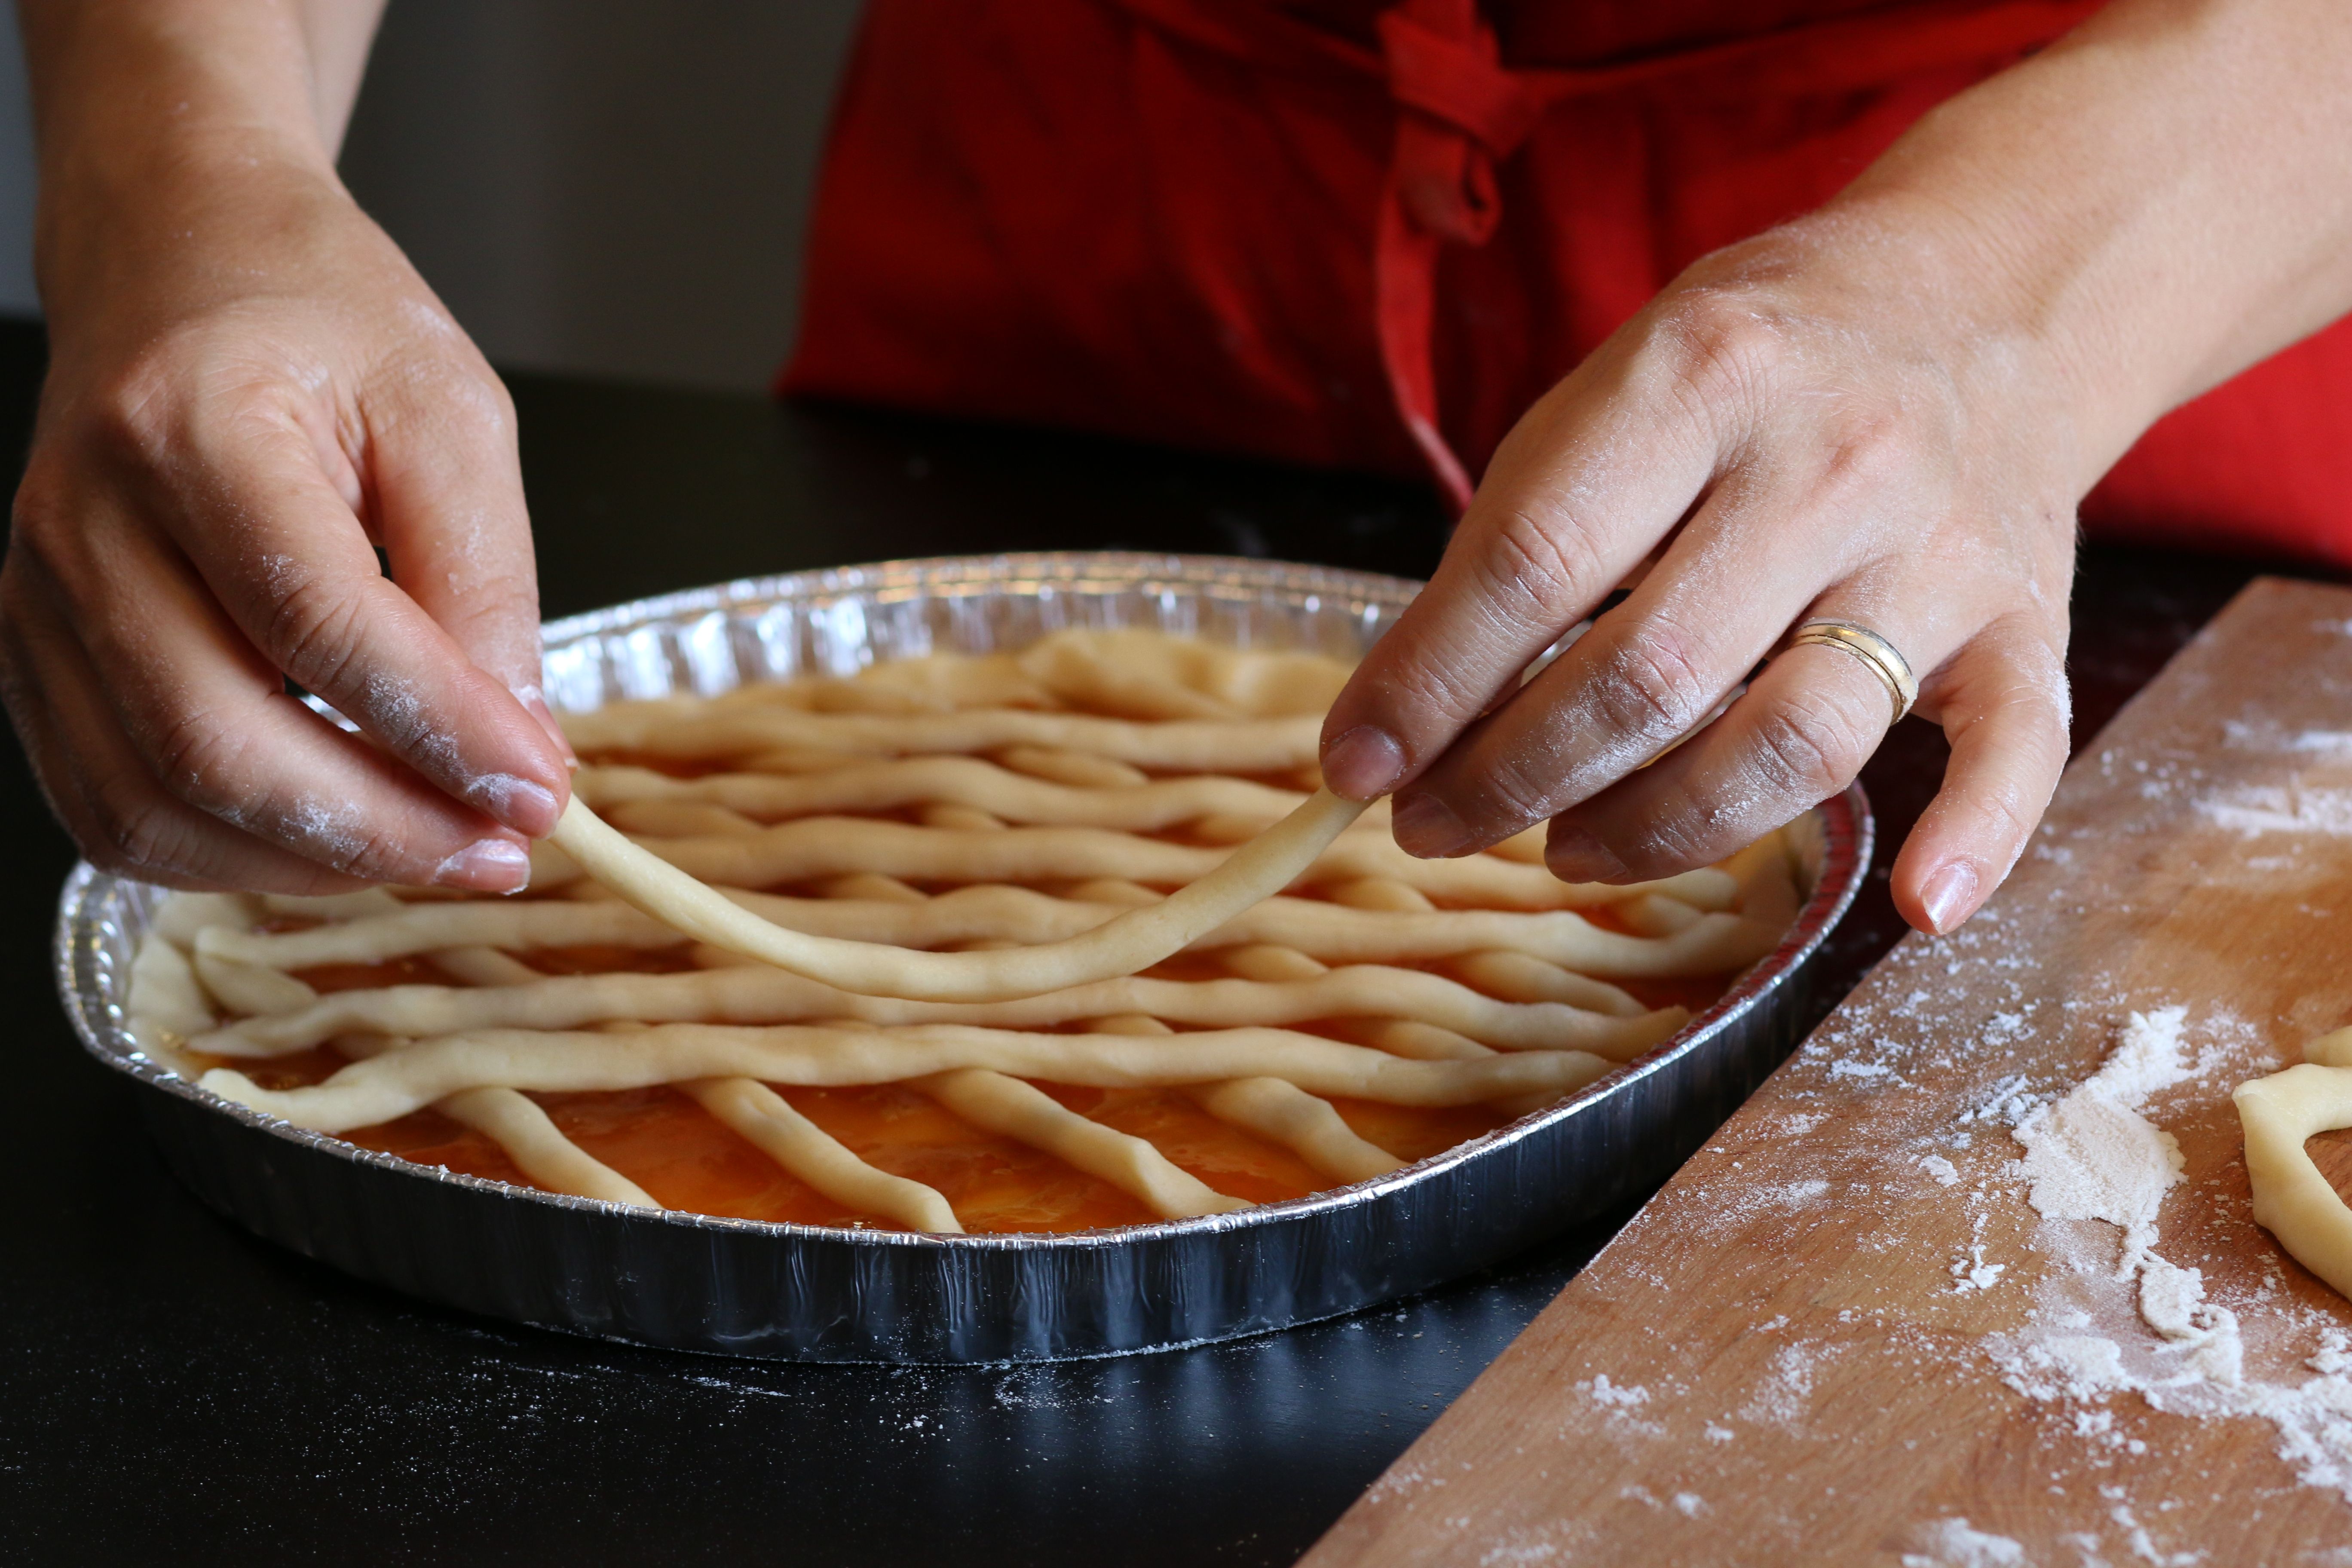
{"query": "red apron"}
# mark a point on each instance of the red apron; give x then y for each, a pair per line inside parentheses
(1333, 233)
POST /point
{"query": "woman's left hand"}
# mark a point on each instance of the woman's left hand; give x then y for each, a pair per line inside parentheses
(1814, 429)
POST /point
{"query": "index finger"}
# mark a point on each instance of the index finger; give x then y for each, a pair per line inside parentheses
(287, 557)
(1579, 494)
(447, 501)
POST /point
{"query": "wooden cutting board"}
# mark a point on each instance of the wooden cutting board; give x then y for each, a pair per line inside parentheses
(1797, 1352)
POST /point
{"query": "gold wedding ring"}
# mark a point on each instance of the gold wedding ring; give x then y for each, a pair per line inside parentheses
(1893, 672)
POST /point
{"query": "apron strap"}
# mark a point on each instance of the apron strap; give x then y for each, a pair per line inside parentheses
(1460, 111)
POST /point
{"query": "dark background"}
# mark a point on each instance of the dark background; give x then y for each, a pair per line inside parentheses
(173, 1390)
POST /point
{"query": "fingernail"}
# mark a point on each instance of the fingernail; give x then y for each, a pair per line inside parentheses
(486, 866)
(1363, 764)
(1574, 854)
(520, 803)
(535, 701)
(1950, 896)
(1425, 825)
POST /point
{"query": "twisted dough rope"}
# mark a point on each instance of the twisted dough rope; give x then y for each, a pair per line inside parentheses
(1335, 933)
(768, 1122)
(1136, 939)
(386, 1087)
(1281, 1112)
(1125, 673)
(1011, 1109)
(514, 1122)
(1241, 746)
(1305, 1124)
(811, 847)
(865, 787)
(1122, 945)
(764, 995)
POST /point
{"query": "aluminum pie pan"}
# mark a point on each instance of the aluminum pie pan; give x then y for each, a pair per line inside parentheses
(699, 1282)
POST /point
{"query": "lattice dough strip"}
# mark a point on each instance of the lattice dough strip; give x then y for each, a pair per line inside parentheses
(1021, 1111)
(1282, 1112)
(1080, 770)
(1332, 934)
(1203, 746)
(1412, 1039)
(1271, 963)
(1145, 673)
(1266, 1106)
(760, 995)
(478, 966)
(1336, 935)
(247, 987)
(168, 1005)
(1133, 940)
(386, 1087)
(1521, 977)
(537, 1147)
(768, 1121)
(352, 905)
(806, 848)
(927, 683)
(872, 786)
(182, 916)
(1131, 671)
(427, 928)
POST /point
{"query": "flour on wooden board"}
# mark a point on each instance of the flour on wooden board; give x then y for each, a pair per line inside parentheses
(2257, 809)
(2095, 1162)
(1954, 1544)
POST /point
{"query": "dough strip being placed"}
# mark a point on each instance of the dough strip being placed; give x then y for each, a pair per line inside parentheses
(808, 848)
(1232, 746)
(1131, 941)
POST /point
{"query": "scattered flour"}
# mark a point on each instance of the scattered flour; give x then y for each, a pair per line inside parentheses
(1604, 1392)
(2283, 808)
(1945, 1174)
(1798, 1195)
(1973, 1273)
(2093, 1156)
(1953, 1543)
(1782, 1398)
(2143, 1545)
(2094, 1161)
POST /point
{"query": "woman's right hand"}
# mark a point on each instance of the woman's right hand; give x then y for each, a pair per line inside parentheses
(250, 391)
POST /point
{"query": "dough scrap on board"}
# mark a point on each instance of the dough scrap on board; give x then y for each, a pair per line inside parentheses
(2292, 1200)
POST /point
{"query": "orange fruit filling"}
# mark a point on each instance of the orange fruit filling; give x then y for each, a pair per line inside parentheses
(687, 1158)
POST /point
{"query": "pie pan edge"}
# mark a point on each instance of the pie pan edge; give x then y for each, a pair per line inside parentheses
(699, 1282)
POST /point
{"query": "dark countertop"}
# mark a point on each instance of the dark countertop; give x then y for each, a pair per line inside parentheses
(174, 1390)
